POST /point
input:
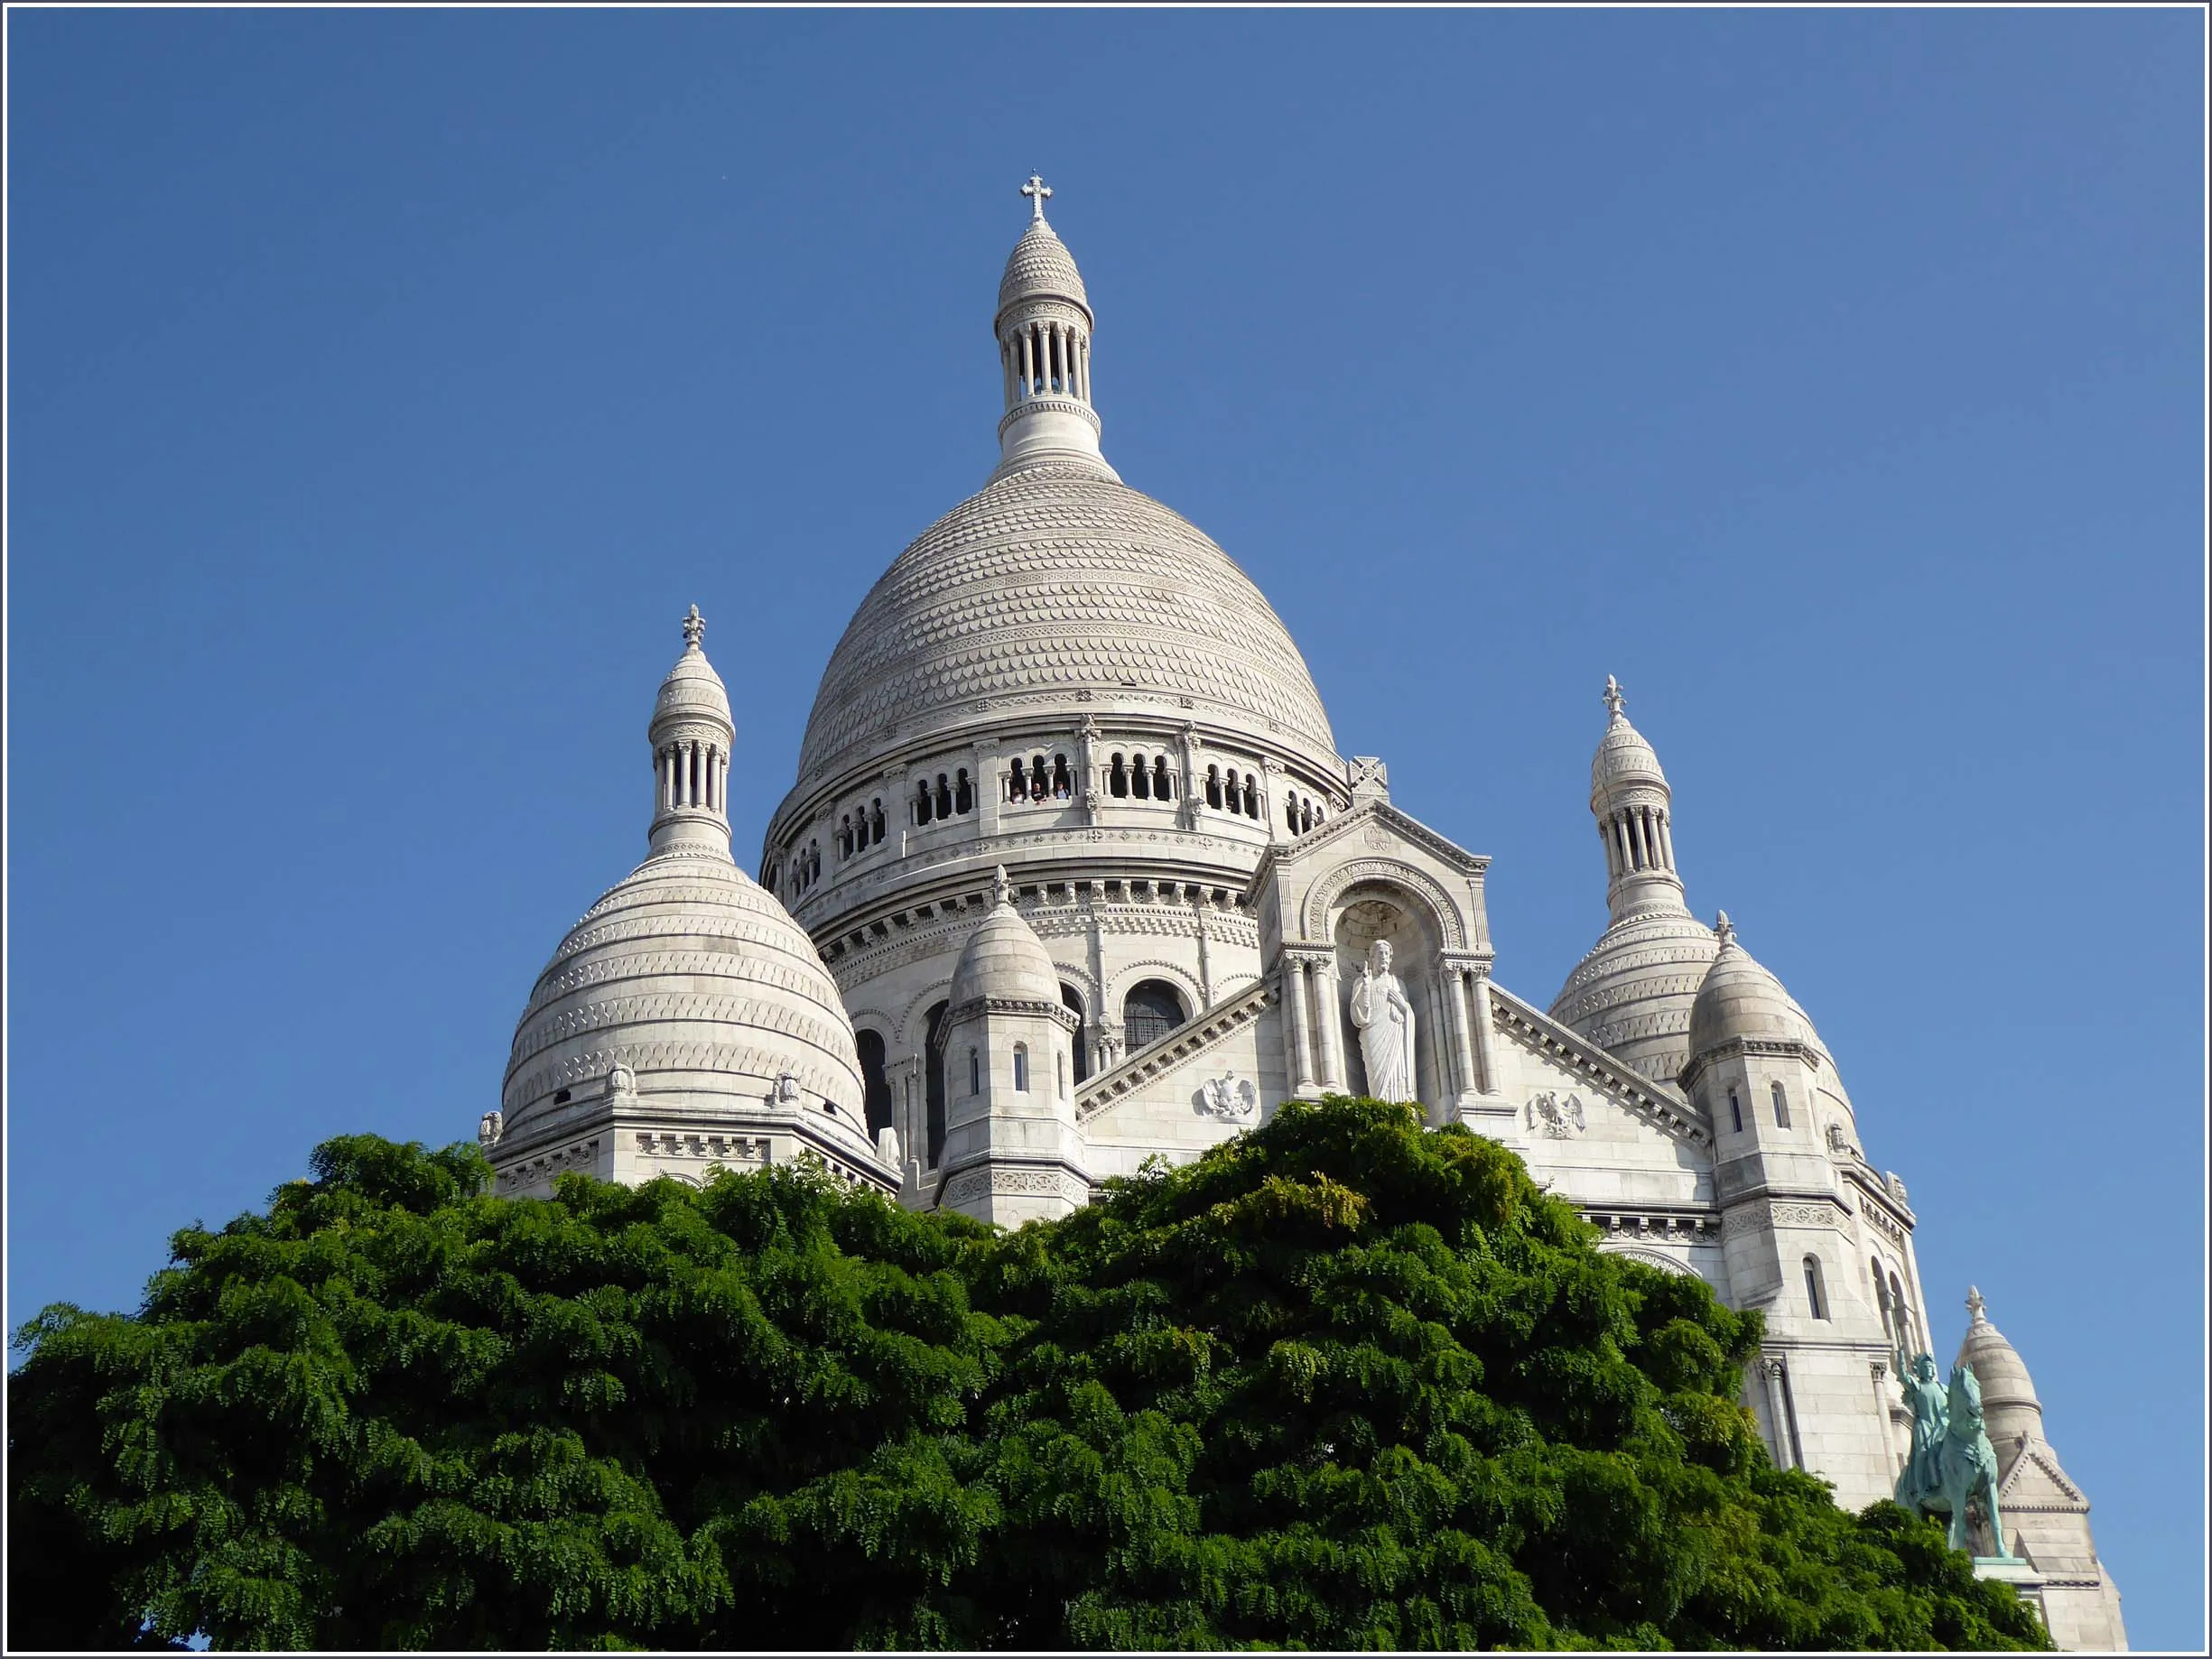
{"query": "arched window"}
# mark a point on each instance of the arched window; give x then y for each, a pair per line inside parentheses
(1071, 1001)
(1735, 1110)
(1213, 786)
(844, 837)
(1017, 788)
(875, 1081)
(1305, 815)
(1163, 789)
(1021, 1067)
(1140, 778)
(975, 1071)
(1814, 1299)
(1781, 1107)
(1061, 788)
(922, 802)
(875, 820)
(1908, 1327)
(813, 862)
(1118, 778)
(1881, 1301)
(1040, 788)
(944, 797)
(933, 1084)
(964, 799)
(1151, 1011)
(1251, 796)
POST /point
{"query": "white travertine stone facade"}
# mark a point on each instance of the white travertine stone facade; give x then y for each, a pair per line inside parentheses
(1073, 875)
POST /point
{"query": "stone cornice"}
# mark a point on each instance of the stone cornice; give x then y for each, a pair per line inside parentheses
(1738, 1047)
(1314, 842)
(975, 1007)
(1625, 1085)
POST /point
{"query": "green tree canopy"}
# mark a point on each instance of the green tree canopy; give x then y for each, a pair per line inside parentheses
(1340, 1383)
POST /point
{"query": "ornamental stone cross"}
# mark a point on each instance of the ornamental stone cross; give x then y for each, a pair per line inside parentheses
(1613, 700)
(1037, 191)
(694, 629)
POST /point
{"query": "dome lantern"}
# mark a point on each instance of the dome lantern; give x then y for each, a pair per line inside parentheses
(1631, 800)
(691, 732)
(1043, 325)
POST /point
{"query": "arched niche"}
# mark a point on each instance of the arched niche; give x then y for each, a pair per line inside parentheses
(1381, 909)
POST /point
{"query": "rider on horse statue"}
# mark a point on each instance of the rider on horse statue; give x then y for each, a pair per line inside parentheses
(1952, 1461)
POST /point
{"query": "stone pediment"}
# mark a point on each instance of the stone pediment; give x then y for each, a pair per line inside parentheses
(2035, 1482)
(1583, 1063)
(1186, 1045)
(1359, 827)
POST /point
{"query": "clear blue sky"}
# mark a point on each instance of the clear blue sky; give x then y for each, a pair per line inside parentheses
(384, 384)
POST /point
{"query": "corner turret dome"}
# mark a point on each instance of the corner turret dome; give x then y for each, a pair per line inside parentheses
(1004, 961)
(2011, 1409)
(1623, 757)
(1741, 999)
(687, 982)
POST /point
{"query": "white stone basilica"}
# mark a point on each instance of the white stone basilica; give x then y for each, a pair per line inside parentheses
(1072, 875)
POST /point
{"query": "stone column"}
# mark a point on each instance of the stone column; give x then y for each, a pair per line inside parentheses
(1271, 803)
(1201, 902)
(1301, 1039)
(1087, 789)
(1478, 989)
(1463, 1038)
(1329, 1010)
(1778, 1412)
(1666, 838)
(990, 793)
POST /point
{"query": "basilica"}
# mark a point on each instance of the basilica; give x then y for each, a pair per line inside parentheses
(1073, 875)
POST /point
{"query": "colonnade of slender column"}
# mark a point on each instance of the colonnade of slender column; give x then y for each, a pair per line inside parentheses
(694, 775)
(1046, 359)
(1313, 1015)
(1638, 838)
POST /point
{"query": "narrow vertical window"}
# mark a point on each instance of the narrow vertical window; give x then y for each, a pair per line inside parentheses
(1021, 1067)
(1251, 796)
(1162, 787)
(1118, 778)
(1213, 786)
(1016, 788)
(1735, 1111)
(1140, 778)
(1060, 787)
(1781, 1107)
(964, 799)
(944, 797)
(975, 1072)
(1812, 1298)
(921, 802)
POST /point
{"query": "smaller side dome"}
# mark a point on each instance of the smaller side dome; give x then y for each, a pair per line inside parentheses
(2011, 1410)
(1740, 998)
(1040, 267)
(1004, 960)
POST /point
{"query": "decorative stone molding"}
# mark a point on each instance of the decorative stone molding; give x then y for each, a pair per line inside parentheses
(1230, 1099)
(1562, 1120)
(1014, 1181)
(1818, 1213)
(582, 1156)
(695, 1147)
(1654, 1225)
(1649, 1258)
(1394, 871)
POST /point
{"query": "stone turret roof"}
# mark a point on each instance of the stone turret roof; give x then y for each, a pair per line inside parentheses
(2009, 1406)
(1004, 960)
(1740, 998)
(692, 689)
(1041, 267)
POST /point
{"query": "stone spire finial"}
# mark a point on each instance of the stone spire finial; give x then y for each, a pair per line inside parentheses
(1725, 929)
(1615, 701)
(1977, 1309)
(694, 629)
(1038, 192)
(1002, 889)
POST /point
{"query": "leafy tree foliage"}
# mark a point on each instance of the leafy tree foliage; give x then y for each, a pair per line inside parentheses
(1340, 1383)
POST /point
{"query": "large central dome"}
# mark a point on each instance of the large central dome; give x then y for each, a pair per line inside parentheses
(1053, 581)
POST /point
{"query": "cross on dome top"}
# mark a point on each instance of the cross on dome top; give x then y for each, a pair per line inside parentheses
(694, 629)
(1725, 928)
(1976, 1306)
(1001, 888)
(1038, 192)
(1613, 700)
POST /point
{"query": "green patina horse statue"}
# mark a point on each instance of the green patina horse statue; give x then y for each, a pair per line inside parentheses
(1966, 1463)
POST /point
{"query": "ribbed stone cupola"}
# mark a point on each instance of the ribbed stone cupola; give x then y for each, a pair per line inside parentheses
(691, 734)
(2011, 1409)
(1043, 327)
